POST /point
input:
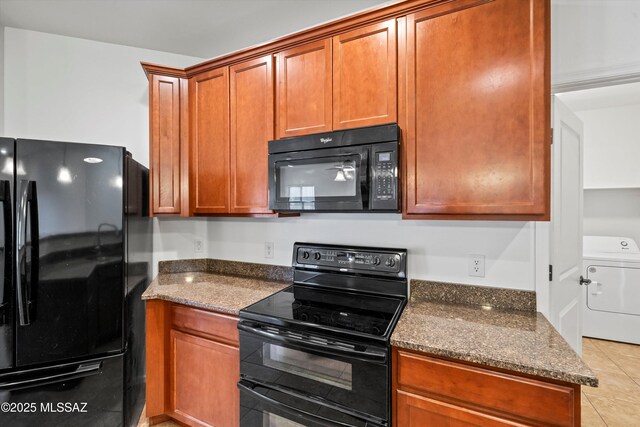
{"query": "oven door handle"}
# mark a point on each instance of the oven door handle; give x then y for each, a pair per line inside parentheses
(253, 383)
(246, 387)
(368, 354)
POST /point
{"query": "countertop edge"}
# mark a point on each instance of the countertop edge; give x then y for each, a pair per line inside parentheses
(190, 303)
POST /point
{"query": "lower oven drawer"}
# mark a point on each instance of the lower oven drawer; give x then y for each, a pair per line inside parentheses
(263, 406)
(287, 359)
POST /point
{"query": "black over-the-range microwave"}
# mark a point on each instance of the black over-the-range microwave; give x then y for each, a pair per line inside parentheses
(352, 170)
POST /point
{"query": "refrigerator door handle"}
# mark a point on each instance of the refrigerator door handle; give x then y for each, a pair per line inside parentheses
(5, 195)
(81, 371)
(25, 280)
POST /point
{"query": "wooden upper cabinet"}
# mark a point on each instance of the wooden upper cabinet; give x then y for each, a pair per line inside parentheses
(209, 98)
(165, 109)
(252, 123)
(304, 89)
(477, 110)
(364, 76)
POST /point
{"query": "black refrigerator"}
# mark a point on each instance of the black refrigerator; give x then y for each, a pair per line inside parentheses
(75, 257)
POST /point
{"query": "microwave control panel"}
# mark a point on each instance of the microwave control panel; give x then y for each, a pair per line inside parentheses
(384, 177)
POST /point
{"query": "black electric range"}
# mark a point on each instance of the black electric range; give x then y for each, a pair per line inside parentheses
(317, 353)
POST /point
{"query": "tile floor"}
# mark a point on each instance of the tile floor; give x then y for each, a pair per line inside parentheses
(144, 421)
(616, 403)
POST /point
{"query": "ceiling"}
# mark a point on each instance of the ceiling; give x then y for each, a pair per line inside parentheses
(200, 28)
(610, 96)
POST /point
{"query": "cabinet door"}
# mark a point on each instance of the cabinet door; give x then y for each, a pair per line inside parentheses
(304, 89)
(477, 133)
(204, 375)
(251, 128)
(418, 411)
(209, 168)
(364, 76)
(165, 153)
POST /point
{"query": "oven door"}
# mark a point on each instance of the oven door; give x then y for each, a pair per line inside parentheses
(348, 378)
(332, 179)
(263, 405)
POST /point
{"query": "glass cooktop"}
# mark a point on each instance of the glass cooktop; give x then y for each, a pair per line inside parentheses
(327, 309)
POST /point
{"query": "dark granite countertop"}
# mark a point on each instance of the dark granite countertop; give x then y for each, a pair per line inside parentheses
(493, 335)
(223, 286)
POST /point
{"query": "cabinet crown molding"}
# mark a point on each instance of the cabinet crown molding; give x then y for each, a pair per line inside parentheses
(329, 29)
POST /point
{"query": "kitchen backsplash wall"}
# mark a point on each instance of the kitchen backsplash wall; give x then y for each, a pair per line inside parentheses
(438, 250)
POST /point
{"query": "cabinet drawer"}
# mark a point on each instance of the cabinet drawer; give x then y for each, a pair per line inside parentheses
(201, 322)
(417, 411)
(523, 397)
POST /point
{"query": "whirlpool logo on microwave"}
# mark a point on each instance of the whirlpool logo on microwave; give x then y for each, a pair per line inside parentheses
(326, 140)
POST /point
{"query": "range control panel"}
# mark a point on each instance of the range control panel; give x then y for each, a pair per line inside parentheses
(351, 259)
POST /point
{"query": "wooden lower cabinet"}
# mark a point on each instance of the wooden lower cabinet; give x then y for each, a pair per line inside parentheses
(193, 366)
(439, 392)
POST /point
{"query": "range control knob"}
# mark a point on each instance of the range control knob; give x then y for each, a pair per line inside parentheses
(316, 318)
(305, 255)
(390, 262)
(376, 261)
(317, 256)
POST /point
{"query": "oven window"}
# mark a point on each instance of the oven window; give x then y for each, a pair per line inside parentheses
(273, 420)
(302, 182)
(317, 368)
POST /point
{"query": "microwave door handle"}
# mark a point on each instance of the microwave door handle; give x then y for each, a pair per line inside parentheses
(367, 355)
(247, 388)
(365, 182)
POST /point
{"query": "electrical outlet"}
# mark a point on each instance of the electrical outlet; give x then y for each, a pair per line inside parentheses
(198, 245)
(476, 265)
(268, 249)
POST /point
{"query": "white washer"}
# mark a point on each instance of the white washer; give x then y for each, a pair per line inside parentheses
(611, 308)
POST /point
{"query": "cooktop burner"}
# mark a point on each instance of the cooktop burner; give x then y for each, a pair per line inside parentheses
(354, 292)
(366, 314)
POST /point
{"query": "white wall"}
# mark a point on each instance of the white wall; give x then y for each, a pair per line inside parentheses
(611, 146)
(438, 250)
(1, 80)
(71, 89)
(594, 39)
(612, 213)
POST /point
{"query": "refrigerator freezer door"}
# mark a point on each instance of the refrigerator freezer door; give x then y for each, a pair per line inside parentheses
(6, 259)
(83, 394)
(69, 256)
